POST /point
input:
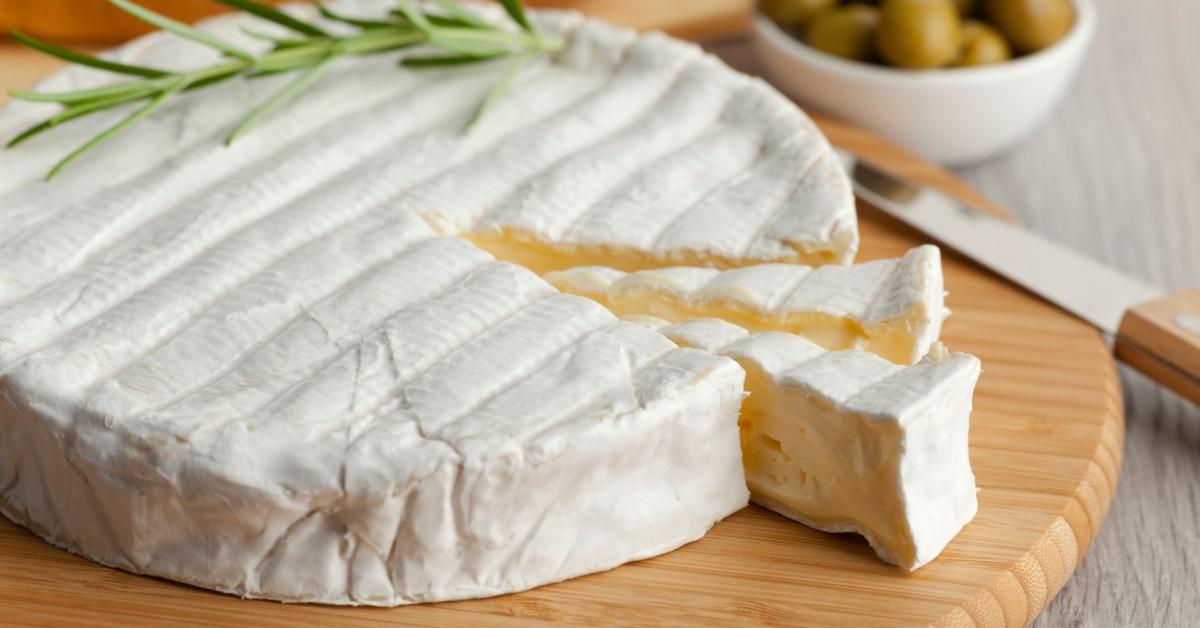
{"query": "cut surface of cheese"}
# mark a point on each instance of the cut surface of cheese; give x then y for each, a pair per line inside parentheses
(847, 442)
(893, 308)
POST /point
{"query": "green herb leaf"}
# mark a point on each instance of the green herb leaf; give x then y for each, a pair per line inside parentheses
(83, 59)
(93, 106)
(436, 20)
(132, 118)
(278, 42)
(466, 47)
(394, 40)
(461, 15)
(449, 60)
(517, 12)
(84, 95)
(257, 74)
(216, 77)
(462, 36)
(275, 15)
(333, 16)
(499, 89)
(292, 58)
(307, 78)
(409, 11)
(28, 133)
(179, 28)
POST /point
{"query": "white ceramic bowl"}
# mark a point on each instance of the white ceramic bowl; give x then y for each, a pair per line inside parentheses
(954, 116)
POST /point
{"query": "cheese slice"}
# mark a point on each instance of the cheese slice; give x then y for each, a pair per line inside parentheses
(893, 308)
(845, 441)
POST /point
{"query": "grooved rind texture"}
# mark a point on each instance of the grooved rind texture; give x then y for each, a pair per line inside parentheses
(611, 143)
(265, 369)
(1046, 445)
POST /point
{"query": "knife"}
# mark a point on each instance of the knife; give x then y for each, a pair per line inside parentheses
(1154, 332)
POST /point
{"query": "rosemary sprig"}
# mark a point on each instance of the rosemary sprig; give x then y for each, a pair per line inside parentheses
(462, 37)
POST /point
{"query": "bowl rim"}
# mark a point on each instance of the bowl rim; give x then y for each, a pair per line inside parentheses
(1076, 38)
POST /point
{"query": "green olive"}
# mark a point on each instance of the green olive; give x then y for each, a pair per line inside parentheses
(981, 44)
(794, 14)
(1030, 25)
(918, 34)
(847, 31)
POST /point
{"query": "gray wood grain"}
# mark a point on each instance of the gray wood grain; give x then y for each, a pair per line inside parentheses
(1115, 173)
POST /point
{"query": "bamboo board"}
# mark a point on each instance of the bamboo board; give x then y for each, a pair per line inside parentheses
(1046, 439)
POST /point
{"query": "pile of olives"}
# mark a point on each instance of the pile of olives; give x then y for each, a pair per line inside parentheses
(924, 34)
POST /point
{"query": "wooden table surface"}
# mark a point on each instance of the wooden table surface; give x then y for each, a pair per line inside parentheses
(1114, 173)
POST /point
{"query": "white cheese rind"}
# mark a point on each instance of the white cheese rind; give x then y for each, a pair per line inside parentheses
(381, 448)
(226, 366)
(845, 441)
(612, 143)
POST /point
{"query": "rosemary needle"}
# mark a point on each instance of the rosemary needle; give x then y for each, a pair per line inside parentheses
(460, 34)
(500, 87)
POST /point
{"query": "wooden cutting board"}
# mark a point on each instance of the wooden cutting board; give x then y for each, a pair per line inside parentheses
(1046, 439)
(97, 22)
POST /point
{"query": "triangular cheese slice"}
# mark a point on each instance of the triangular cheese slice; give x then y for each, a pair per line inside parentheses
(847, 442)
(893, 308)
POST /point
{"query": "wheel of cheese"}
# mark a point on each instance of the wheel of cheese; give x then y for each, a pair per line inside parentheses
(292, 368)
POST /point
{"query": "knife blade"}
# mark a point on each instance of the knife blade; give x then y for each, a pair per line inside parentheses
(1084, 287)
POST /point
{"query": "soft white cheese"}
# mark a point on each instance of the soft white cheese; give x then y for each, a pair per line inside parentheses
(844, 441)
(621, 143)
(377, 418)
(893, 308)
(264, 369)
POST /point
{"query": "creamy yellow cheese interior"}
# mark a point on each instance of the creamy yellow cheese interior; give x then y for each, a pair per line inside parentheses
(831, 470)
(540, 256)
(802, 457)
(892, 339)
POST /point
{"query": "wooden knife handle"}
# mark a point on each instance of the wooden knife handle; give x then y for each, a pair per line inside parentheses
(1162, 339)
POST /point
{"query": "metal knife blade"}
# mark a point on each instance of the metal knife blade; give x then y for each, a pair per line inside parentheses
(1084, 287)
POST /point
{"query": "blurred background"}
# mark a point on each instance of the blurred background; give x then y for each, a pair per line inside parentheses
(91, 21)
(1111, 167)
(97, 22)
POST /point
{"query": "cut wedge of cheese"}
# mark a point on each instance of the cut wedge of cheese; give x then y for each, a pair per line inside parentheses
(845, 441)
(893, 308)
